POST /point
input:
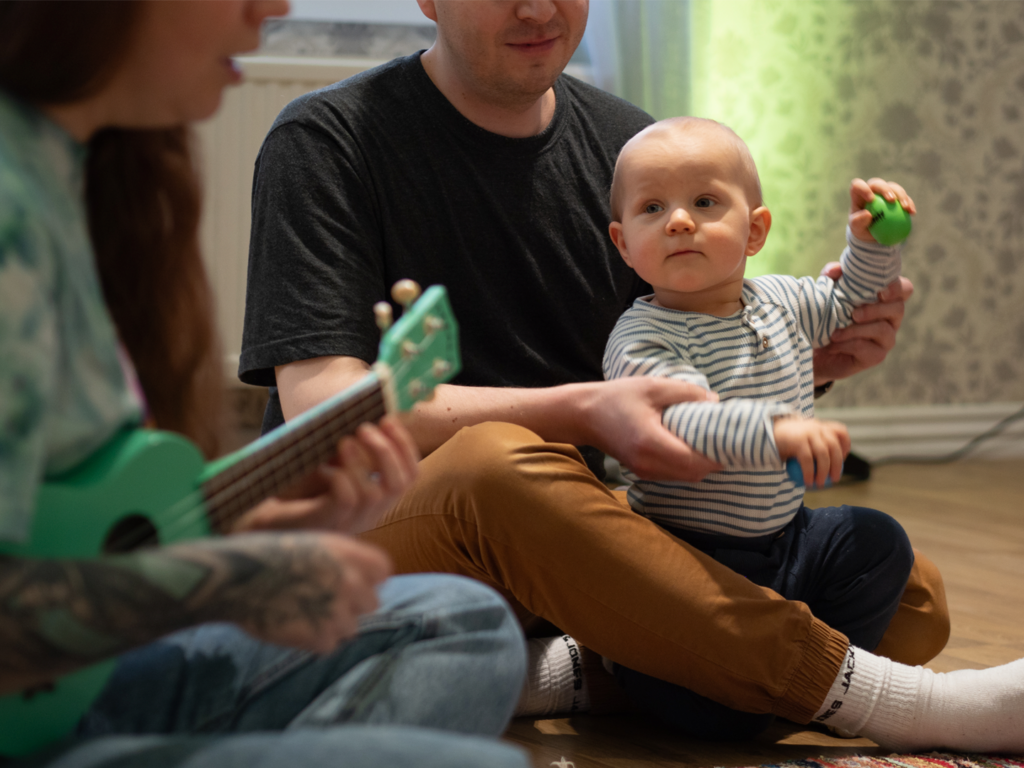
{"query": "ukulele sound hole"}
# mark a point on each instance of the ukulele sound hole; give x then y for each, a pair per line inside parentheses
(30, 693)
(130, 533)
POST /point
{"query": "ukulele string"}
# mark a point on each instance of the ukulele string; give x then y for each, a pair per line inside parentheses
(202, 506)
(237, 488)
(265, 473)
(243, 492)
(298, 441)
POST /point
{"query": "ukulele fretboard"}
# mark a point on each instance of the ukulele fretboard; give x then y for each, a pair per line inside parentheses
(276, 460)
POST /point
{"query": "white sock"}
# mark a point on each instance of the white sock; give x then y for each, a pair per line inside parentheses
(907, 709)
(554, 679)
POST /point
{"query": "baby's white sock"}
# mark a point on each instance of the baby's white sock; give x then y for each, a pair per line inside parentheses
(554, 679)
(912, 708)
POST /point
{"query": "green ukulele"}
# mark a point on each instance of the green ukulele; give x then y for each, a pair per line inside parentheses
(146, 487)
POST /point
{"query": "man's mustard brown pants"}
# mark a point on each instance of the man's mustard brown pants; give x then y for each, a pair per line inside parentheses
(498, 504)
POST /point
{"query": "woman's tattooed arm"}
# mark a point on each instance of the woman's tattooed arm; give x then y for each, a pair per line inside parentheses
(57, 615)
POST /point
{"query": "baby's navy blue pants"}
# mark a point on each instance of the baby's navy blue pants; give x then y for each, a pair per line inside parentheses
(849, 564)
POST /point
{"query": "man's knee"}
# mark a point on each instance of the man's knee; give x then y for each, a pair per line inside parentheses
(926, 592)
(488, 448)
(495, 459)
(920, 629)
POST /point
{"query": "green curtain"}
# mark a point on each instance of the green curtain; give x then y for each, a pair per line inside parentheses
(929, 93)
(654, 54)
(779, 73)
(795, 79)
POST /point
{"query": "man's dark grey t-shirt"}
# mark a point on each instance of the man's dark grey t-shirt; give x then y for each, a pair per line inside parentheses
(379, 178)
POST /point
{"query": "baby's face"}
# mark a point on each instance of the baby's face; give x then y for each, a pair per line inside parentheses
(686, 214)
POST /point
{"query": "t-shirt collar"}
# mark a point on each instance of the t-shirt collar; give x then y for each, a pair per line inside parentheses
(470, 131)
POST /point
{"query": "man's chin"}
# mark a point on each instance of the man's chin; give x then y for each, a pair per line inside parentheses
(532, 83)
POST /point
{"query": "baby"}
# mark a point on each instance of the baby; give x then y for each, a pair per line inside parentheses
(688, 213)
(687, 205)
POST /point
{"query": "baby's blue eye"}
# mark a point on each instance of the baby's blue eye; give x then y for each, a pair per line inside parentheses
(653, 208)
(705, 202)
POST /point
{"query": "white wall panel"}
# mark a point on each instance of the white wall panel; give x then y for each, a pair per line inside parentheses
(228, 145)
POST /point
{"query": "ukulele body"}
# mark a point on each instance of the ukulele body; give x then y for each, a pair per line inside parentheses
(139, 481)
(147, 487)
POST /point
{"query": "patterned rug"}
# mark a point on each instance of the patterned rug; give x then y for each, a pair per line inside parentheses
(930, 760)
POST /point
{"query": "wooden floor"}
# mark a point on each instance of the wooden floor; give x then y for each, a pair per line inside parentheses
(968, 517)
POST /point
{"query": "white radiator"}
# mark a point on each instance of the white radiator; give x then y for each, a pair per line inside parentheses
(228, 144)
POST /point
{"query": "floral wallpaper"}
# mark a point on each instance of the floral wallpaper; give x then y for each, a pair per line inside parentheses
(930, 94)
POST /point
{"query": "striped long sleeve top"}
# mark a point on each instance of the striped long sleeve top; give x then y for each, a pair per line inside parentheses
(759, 362)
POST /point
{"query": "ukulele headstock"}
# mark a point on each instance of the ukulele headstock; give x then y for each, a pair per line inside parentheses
(421, 349)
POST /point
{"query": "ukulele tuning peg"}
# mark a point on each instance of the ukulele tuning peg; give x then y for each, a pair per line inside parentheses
(405, 292)
(440, 368)
(383, 315)
(419, 391)
(432, 324)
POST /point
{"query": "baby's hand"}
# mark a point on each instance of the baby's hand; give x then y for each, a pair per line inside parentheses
(861, 193)
(819, 446)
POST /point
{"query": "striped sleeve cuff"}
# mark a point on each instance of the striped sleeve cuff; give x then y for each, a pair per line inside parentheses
(867, 268)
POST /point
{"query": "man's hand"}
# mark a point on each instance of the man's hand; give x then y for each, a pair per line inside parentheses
(625, 418)
(864, 344)
(350, 494)
(819, 446)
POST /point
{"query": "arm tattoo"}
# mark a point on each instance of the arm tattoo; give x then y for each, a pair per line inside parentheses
(57, 615)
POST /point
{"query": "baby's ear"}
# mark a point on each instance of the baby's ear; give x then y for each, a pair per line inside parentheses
(760, 223)
(619, 238)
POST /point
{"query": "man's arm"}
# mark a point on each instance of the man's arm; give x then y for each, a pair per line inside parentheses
(621, 418)
(302, 590)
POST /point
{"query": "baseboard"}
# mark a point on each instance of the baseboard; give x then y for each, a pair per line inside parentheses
(930, 430)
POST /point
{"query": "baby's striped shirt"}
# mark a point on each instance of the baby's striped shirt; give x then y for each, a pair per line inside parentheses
(759, 362)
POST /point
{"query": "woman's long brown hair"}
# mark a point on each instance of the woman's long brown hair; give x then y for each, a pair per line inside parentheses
(143, 201)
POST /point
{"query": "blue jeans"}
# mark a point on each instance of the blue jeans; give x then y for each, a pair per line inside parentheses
(849, 564)
(438, 667)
